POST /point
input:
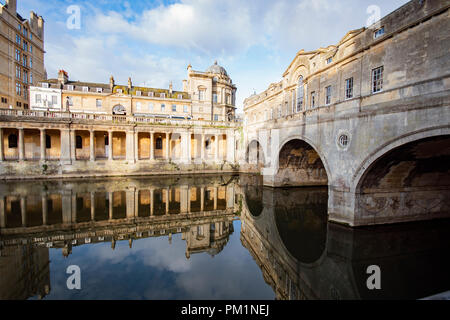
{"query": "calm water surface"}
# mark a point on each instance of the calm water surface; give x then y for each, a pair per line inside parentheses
(208, 237)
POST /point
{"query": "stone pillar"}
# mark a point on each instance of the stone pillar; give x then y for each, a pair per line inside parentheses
(167, 146)
(73, 149)
(202, 148)
(189, 200)
(231, 146)
(130, 199)
(66, 147)
(111, 205)
(92, 206)
(43, 145)
(66, 206)
(136, 146)
(44, 210)
(202, 199)
(130, 146)
(216, 143)
(216, 195)
(152, 146)
(23, 210)
(184, 199)
(167, 200)
(21, 145)
(2, 154)
(152, 193)
(185, 155)
(230, 196)
(110, 147)
(2, 213)
(92, 145)
(74, 208)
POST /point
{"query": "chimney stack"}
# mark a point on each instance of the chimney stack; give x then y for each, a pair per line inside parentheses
(111, 83)
(63, 77)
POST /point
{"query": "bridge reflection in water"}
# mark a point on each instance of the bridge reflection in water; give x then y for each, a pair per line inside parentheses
(286, 231)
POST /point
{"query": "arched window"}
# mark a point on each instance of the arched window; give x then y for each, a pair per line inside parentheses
(12, 141)
(300, 94)
(158, 143)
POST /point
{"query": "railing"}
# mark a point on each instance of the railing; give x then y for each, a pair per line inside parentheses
(123, 119)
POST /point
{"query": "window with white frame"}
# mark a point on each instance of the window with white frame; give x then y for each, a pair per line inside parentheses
(18, 72)
(163, 108)
(138, 93)
(329, 60)
(377, 79)
(70, 87)
(31, 77)
(300, 94)
(185, 109)
(174, 108)
(85, 89)
(328, 95)
(378, 33)
(18, 55)
(18, 39)
(138, 106)
(162, 95)
(99, 90)
(70, 101)
(38, 98)
(150, 107)
(216, 117)
(349, 88)
(214, 97)
(45, 85)
(25, 76)
(98, 103)
(180, 97)
(25, 60)
(54, 100)
(201, 95)
(150, 94)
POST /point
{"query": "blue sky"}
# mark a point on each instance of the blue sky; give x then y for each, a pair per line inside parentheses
(154, 41)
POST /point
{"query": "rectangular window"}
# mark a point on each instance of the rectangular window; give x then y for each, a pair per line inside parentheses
(25, 92)
(17, 55)
(163, 108)
(70, 101)
(31, 48)
(185, 109)
(180, 97)
(54, 100)
(31, 77)
(328, 95)
(150, 94)
(18, 89)
(25, 61)
(18, 39)
(377, 79)
(45, 85)
(159, 144)
(138, 106)
(214, 97)
(18, 72)
(313, 99)
(25, 76)
(216, 117)
(378, 33)
(85, 89)
(25, 46)
(201, 95)
(98, 103)
(150, 107)
(70, 87)
(349, 88)
(162, 95)
(138, 93)
(329, 60)
(99, 90)
(174, 108)
(31, 62)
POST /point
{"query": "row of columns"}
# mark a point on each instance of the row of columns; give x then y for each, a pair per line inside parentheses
(69, 204)
(68, 146)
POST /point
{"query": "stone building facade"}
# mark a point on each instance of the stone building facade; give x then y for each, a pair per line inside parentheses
(22, 55)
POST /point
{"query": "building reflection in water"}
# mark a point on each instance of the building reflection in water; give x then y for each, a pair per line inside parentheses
(300, 254)
(304, 257)
(36, 216)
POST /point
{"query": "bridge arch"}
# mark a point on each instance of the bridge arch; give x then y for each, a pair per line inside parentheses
(300, 163)
(254, 153)
(406, 179)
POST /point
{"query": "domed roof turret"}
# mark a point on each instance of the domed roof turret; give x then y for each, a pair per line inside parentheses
(215, 68)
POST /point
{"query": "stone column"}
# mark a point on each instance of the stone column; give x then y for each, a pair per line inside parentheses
(152, 146)
(66, 205)
(21, 145)
(231, 146)
(66, 148)
(91, 145)
(152, 194)
(167, 146)
(136, 146)
(202, 199)
(167, 200)
(73, 149)
(189, 200)
(2, 213)
(74, 208)
(2, 154)
(185, 155)
(43, 145)
(216, 142)
(216, 195)
(44, 209)
(111, 205)
(23, 210)
(110, 147)
(184, 199)
(92, 206)
(130, 146)
(202, 148)
(230, 196)
(130, 199)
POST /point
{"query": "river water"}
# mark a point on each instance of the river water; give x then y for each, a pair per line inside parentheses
(205, 237)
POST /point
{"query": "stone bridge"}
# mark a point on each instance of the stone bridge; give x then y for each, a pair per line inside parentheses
(302, 256)
(368, 117)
